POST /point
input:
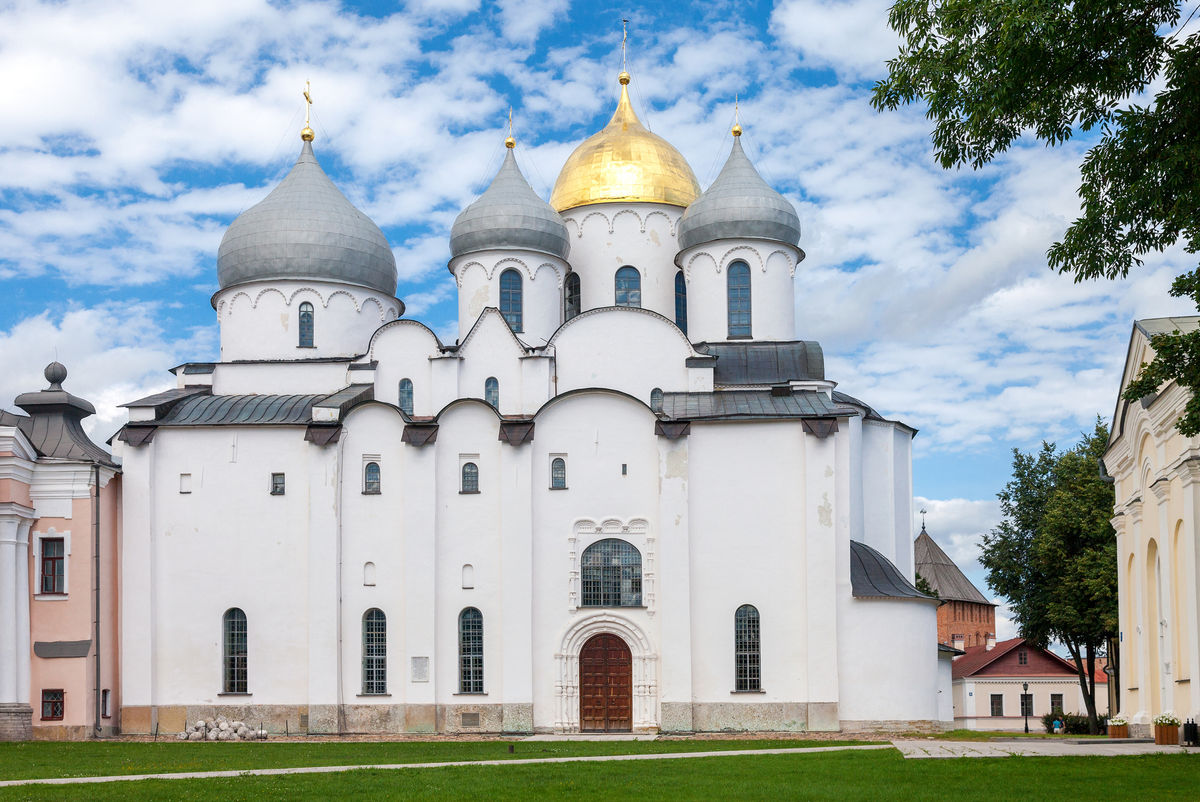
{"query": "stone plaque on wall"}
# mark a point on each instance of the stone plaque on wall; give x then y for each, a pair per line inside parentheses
(420, 669)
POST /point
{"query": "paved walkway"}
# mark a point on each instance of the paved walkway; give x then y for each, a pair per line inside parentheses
(1031, 748)
(203, 775)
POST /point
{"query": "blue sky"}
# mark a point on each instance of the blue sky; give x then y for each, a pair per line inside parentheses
(135, 132)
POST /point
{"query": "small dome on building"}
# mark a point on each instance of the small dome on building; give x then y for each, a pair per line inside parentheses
(624, 162)
(739, 204)
(306, 229)
(509, 214)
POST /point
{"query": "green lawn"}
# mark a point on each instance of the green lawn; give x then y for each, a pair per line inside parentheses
(839, 776)
(100, 758)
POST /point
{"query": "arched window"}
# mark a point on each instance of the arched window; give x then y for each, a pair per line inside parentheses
(572, 302)
(510, 298)
(656, 399)
(306, 325)
(681, 302)
(738, 295)
(746, 649)
(371, 478)
(233, 652)
(470, 651)
(491, 392)
(406, 396)
(374, 652)
(470, 478)
(629, 287)
(558, 474)
(612, 574)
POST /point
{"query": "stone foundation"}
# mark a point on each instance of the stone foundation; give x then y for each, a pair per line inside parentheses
(381, 719)
(897, 726)
(1141, 730)
(16, 722)
(750, 716)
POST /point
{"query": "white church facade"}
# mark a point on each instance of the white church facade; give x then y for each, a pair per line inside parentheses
(628, 498)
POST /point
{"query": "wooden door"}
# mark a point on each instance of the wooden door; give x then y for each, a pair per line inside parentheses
(605, 685)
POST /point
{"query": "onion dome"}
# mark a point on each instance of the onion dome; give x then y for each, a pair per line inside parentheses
(306, 229)
(509, 214)
(624, 163)
(739, 204)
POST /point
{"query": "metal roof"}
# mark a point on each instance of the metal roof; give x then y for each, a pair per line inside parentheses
(942, 574)
(509, 214)
(306, 229)
(167, 396)
(1166, 325)
(216, 410)
(874, 576)
(748, 404)
(739, 204)
(54, 426)
(741, 363)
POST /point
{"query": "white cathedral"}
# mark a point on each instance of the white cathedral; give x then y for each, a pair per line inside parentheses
(626, 499)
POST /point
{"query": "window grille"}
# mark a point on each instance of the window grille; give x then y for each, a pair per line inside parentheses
(1056, 703)
(656, 400)
(629, 287)
(738, 293)
(558, 473)
(470, 651)
(470, 478)
(681, 302)
(510, 298)
(371, 480)
(53, 566)
(612, 574)
(306, 325)
(374, 653)
(491, 392)
(406, 396)
(1022, 658)
(997, 704)
(277, 484)
(235, 670)
(52, 704)
(1027, 704)
(747, 654)
(573, 302)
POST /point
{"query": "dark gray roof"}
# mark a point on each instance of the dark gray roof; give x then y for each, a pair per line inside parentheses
(749, 404)
(765, 362)
(54, 425)
(942, 574)
(306, 229)
(739, 204)
(874, 576)
(216, 410)
(509, 214)
(348, 397)
(167, 397)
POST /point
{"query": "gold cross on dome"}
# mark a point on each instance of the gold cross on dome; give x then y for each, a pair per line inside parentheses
(624, 39)
(307, 132)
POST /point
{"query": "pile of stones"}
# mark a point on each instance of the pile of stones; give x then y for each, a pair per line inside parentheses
(221, 729)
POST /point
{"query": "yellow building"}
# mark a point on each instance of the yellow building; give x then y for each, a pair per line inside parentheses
(1157, 480)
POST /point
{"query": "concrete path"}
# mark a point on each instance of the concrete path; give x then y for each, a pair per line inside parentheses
(204, 775)
(1031, 748)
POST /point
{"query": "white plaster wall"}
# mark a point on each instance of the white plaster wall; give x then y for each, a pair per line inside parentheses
(887, 660)
(279, 378)
(946, 692)
(542, 276)
(879, 488)
(260, 320)
(593, 350)
(607, 236)
(748, 536)
(772, 293)
(491, 351)
(404, 350)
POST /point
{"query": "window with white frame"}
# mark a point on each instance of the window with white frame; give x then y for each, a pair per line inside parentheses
(53, 574)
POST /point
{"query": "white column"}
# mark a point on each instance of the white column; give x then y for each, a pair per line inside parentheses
(15, 520)
(820, 568)
(516, 600)
(674, 565)
(24, 653)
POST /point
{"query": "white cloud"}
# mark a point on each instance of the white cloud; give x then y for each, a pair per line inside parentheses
(523, 20)
(851, 37)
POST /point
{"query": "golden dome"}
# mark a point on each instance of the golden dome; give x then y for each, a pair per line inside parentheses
(624, 163)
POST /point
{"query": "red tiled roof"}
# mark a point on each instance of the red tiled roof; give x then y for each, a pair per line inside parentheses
(978, 658)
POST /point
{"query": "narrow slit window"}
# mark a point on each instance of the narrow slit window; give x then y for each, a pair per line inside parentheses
(491, 392)
(558, 474)
(510, 298)
(572, 300)
(747, 651)
(236, 675)
(739, 299)
(306, 325)
(470, 651)
(628, 287)
(406, 396)
(371, 479)
(681, 302)
(470, 478)
(374, 652)
(656, 400)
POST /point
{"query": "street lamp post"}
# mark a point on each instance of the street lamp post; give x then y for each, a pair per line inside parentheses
(1025, 707)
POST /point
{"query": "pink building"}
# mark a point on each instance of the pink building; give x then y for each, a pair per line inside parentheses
(59, 510)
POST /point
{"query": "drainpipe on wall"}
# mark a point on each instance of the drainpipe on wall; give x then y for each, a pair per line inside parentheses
(96, 601)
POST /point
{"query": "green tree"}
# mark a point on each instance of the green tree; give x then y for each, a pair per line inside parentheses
(1054, 554)
(992, 70)
(926, 588)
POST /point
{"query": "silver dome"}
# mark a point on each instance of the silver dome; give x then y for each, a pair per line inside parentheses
(509, 214)
(739, 204)
(306, 229)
